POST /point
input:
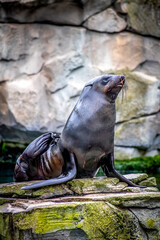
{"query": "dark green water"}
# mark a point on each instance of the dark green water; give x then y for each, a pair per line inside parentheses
(7, 169)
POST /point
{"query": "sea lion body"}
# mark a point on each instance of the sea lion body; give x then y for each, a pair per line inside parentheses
(84, 134)
(86, 142)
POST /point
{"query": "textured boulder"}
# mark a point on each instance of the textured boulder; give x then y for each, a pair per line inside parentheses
(138, 116)
(143, 16)
(120, 51)
(92, 6)
(139, 132)
(79, 215)
(57, 12)
(106, 21)
(79, 187)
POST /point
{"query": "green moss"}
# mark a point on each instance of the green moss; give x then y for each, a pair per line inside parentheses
(15, 191)
(150, 182)
(103, 221)
(5, 200)
(133, 100)
(9, 151)
(5, 227)
(49, 219)
(150, 223)
(92, 185)
(98, 220)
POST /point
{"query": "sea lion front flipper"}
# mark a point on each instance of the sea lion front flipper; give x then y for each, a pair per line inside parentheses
(110, 171)
(70, 174)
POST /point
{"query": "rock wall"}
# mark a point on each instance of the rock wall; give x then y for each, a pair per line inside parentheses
(50, 49)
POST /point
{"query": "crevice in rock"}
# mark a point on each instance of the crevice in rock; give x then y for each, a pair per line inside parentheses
(140, 148)
(74, 69)
(45, 22)
(142, 34)
(3, 81)
(137, 117)
(58, 89)
(21, 57)
(103, 32)
(145, 61)
(32, 74)
(75, 96)
(103, 9)
(142, 227)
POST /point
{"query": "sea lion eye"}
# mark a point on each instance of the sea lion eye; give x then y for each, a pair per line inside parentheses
(104, 81)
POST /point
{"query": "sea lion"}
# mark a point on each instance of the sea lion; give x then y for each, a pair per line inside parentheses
(86, 142)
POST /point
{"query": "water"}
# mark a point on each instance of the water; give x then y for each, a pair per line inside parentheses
(7, 169)
(6, 172)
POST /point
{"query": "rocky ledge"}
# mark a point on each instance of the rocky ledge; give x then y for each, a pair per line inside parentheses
(98, 208)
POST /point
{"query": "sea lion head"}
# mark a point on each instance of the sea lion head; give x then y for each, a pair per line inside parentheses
(110, 85)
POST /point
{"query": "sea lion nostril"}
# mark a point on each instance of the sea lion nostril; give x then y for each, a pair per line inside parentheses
(122, 77)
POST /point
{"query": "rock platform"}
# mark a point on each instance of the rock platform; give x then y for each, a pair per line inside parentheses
(99, 208)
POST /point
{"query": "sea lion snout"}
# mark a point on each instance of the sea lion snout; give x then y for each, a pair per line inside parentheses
(122, 81)
(117, 81)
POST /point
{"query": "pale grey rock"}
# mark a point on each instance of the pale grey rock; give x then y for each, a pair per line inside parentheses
(150, 220)
(120, 51)
(122, 153)
(139, 132)
(138, 190)
(151, 68)
(141, 97)
(106, 21)
(152, 153)
(137, 177)
(93, 6)
(150, 182)
(30, 83)
(121, 6)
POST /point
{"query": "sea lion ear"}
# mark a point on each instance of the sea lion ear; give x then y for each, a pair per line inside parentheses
(106, 88)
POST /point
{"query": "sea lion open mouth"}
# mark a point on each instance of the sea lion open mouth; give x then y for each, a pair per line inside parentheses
(115, 85)
(122, 82)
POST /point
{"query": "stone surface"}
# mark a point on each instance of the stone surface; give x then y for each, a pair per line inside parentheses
(42, 11)
(149, 219)
(122, 153)
(90, 216)
(150, 182)
(42, 90)
(143, 16)
(93, 220)
(120, 51)
(141, 97)
(78, 187)
(106, 21)
(92, 6)
(137, 177)
(139, 132)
